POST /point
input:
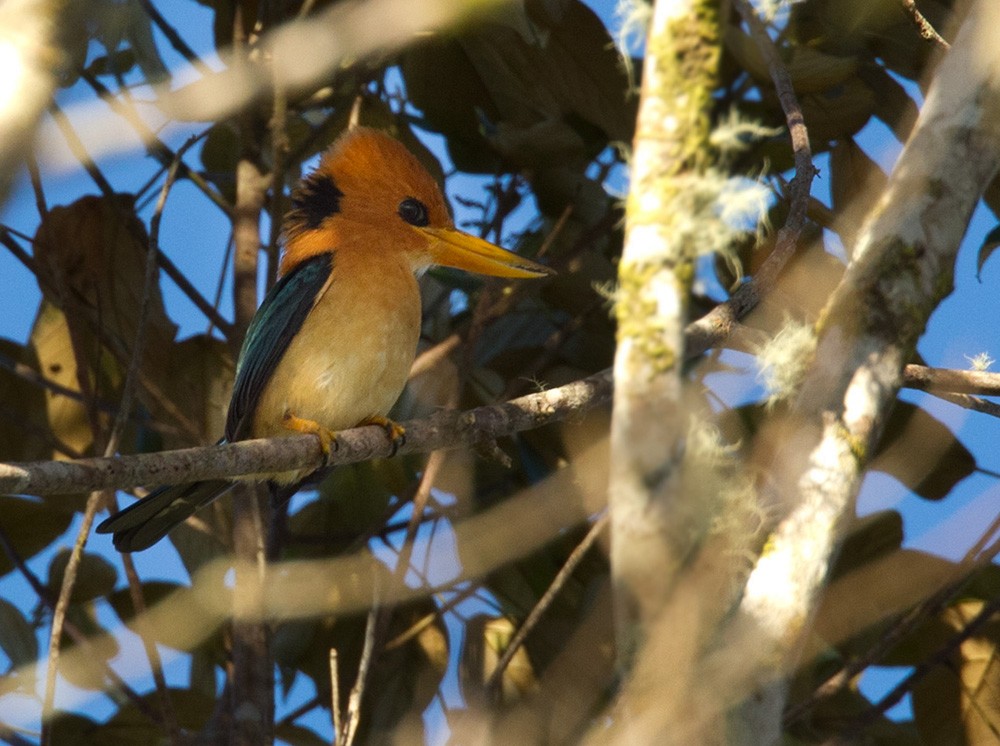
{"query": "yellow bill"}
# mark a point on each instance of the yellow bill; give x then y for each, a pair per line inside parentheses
(450, 247)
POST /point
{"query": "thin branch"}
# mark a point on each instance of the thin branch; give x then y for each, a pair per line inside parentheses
(97, 497)
(357, 691)
(446, 429)
(925, 27)
(719, 322)
(36, 183)
(124, 410)
(934, 380)
(175, 39)
(79, 150)
(154, 145)
(574, 559)
(334, 693)
(896, 694)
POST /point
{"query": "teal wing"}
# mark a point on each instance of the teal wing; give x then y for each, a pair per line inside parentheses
(273, 327)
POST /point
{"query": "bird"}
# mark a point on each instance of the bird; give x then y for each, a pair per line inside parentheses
(332, 343)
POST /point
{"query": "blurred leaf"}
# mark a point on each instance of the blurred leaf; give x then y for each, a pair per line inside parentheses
(95, 576)
(113, 63)
(871, 537)
(486, 640)
(922, 453)
(219, 155)
(70, 728)
(191, 627)
(18, 642)
(31, 525)
(990, 244)
(811, 71)
(297, 735)
(549, 92)
(23, 419)
(984, 583)
(130, 726)
(959, 701)
(138, 32)
(856, 182)
(153, 592)
(860, 604)
(85, 664)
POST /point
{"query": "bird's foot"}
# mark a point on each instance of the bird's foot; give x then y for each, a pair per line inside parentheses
(395, 431)
(327, 438)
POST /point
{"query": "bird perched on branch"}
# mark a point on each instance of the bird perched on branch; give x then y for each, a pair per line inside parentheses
(332, 344)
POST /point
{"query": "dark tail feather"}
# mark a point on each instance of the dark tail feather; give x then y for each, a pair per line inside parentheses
(144, 523)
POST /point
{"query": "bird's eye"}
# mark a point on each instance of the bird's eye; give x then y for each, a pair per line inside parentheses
(414, 212)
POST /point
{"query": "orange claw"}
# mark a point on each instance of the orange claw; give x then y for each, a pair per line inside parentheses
(395, 431)
(327, 438)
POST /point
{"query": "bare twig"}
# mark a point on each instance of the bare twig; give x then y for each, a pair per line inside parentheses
(920, 671)
(334, 692)
(36, 183)
(574, 559)
(980, 382)
(79, 150)
(925, 27)
(96, 497)
(154, 145)
(350, 730)
(175, 39)
(446, 429)
(719, 322)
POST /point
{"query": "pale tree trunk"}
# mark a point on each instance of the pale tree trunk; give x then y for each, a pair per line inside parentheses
(902, 269)
(655, 520)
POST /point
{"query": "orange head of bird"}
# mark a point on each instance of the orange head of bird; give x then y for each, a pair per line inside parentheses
(369, 192)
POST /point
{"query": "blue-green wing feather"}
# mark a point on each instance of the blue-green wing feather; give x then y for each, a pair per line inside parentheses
(275, 324)
(273, 327)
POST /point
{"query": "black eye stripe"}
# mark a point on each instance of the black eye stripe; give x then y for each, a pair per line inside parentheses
(414, 212)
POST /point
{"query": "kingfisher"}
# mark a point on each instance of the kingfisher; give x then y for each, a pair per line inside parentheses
(331, 346)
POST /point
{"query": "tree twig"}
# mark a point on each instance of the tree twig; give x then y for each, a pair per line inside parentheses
(574, 559)
(350, 727)
(925, 27)
(446, 429)
(719, 322)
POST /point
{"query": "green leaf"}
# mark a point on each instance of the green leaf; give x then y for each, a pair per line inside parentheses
(153, 592)
(130, 726)
(959, 701)
(31, 525)
(871, 537)
(990, 244)
(23, 419)
(17, 638)
(297, 735)
(95, 577)
(922, 453)
(859, 605)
